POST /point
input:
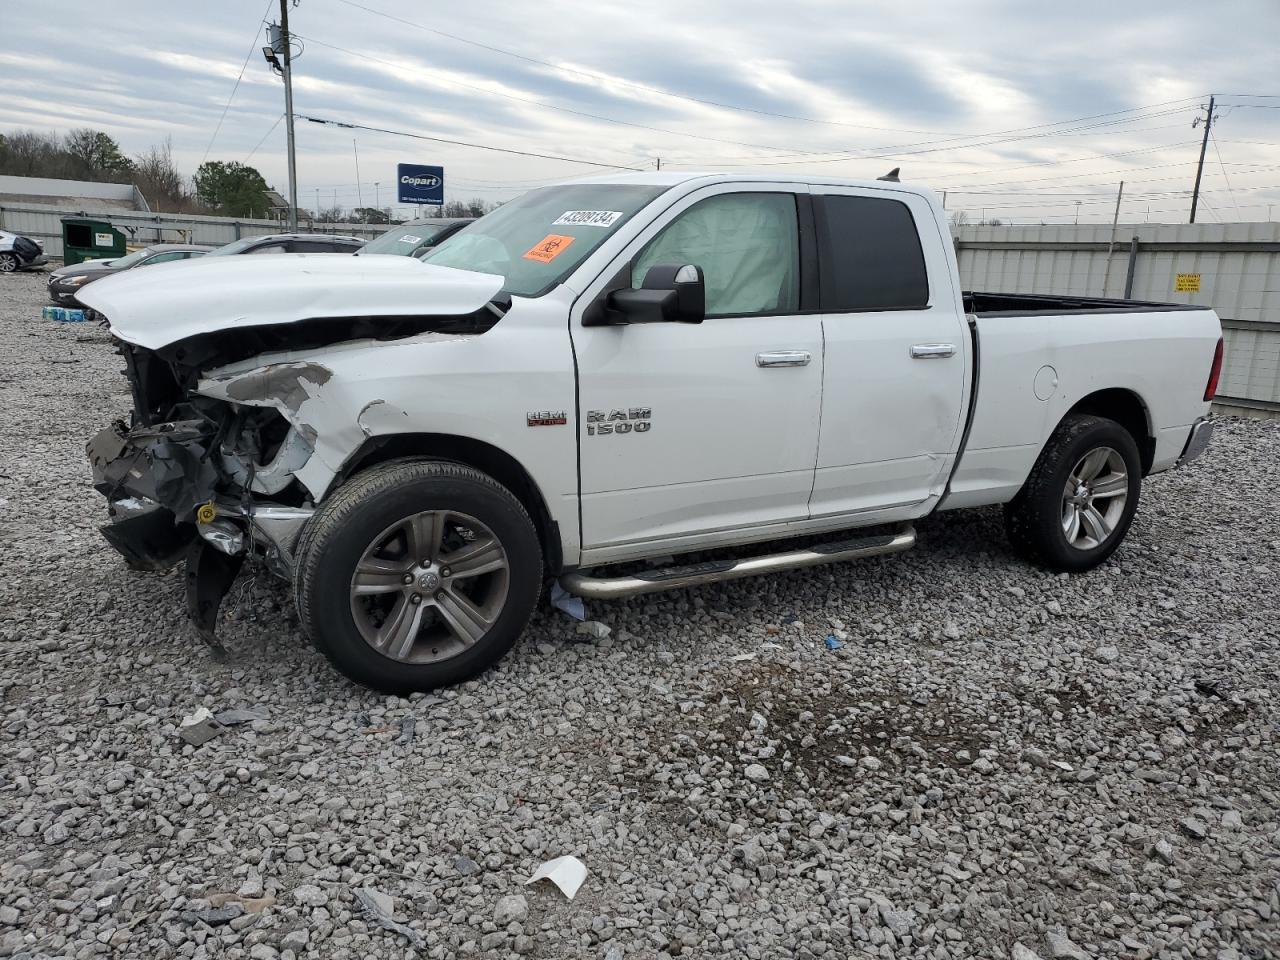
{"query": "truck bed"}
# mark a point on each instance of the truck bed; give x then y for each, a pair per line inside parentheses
(1031, 304)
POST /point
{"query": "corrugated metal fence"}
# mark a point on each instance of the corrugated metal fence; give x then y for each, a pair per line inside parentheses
(45, 223)
(1232, 267)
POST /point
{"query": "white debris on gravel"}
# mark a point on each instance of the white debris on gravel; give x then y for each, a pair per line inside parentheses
(997, 762)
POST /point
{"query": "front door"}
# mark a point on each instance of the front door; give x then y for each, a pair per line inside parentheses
(895, 377)
(690, 432)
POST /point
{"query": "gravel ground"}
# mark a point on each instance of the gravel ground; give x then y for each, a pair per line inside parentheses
(996, 763)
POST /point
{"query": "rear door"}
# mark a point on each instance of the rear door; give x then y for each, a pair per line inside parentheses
(895, 378)
(692, 431)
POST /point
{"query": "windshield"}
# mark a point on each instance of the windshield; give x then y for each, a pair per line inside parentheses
(235, 246)
(536, 240)
(405, 239)
(134, 258)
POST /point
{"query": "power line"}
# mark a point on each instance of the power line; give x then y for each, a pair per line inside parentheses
(264, 138)
(896, 152)
(1223, 167)
(552, 106)
(236, 86)
(462, 143)
(561, 68)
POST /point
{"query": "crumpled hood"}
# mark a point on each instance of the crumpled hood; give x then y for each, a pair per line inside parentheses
(155, 307)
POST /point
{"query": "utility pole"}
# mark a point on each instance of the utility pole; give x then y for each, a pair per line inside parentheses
(317, 203)
(1111, 245)
(288, 115)
(359, 190)
(1204, 145)
(659, 162)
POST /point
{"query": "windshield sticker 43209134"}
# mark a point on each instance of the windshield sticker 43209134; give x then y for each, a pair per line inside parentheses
(587, 218)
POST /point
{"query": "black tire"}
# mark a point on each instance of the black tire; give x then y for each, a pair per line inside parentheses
(8, 263)
(349, 523)
(1034, 519)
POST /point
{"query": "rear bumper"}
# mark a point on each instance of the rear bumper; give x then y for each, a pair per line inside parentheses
(1197, 442)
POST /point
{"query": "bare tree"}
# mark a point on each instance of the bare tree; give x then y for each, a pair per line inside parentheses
(31, 154)
(160, 181)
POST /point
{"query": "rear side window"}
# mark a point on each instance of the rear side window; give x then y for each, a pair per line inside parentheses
(869, 255)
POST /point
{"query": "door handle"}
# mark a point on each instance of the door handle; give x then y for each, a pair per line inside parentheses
(933, 351)
(783, 358)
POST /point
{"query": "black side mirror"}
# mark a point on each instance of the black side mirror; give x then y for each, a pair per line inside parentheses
(669, 294)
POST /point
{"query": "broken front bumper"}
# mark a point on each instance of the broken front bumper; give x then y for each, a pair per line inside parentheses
(162, 494)
(164, 506)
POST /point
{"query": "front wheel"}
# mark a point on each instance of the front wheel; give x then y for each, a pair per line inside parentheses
(8, 263)
(1080, 498)
(417, 575)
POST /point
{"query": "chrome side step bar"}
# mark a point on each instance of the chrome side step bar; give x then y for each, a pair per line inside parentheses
(712, 571)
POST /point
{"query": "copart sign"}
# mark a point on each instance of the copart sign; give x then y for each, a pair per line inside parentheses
(419, 184)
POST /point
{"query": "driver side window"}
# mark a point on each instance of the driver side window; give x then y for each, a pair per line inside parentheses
(747, 246)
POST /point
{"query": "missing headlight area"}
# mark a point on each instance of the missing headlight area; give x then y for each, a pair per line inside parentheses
(196, 485)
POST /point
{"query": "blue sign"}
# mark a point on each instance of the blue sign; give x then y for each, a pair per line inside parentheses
(419, 184)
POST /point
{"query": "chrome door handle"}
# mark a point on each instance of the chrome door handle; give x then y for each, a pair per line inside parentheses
(933, 351)
(783, 358)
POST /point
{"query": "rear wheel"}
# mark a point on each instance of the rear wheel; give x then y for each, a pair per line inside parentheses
(1080, 498)
(417, 575)
(8, 263)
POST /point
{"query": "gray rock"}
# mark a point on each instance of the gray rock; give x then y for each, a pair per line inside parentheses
(309, 895)
(513, 908)
(1021, 952)
(1062, 948)
(1194, 828)
(756, 772)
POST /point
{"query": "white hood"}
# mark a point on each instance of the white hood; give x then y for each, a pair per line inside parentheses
(166, 303)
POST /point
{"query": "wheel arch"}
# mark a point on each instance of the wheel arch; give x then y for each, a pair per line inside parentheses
(478, 454)
(1127, 409)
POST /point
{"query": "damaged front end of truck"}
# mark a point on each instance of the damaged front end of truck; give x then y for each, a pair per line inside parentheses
(219, 461)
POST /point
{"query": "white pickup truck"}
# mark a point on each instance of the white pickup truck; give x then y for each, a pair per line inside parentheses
(614, 370)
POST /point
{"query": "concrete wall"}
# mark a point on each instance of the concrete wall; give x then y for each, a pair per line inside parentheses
(1239, 276)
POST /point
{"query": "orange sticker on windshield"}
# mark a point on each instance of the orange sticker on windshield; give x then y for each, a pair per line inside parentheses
(548, 248)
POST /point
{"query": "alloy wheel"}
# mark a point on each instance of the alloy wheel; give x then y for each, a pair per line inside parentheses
(1094, 498)
(429, 586)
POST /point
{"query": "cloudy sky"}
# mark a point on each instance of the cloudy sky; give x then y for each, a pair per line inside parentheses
(1021, 110)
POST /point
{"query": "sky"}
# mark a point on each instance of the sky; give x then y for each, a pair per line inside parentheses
(1021, 110)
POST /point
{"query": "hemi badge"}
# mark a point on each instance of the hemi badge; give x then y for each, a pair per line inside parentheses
(547, 418)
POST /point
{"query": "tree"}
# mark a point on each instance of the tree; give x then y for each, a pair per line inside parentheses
(477, 207)
(97, 156)
(160, 181)
(369, 215)
(959, 218)
(330, 215)
(31, 154)
(233, 189)
(454, 208)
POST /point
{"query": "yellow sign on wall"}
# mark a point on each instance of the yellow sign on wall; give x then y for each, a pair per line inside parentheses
(1187, 283)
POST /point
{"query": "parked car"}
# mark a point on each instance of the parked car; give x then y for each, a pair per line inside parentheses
(290, 243)
(20, 253)
(66, 282)
(415, 238)
(618, 370)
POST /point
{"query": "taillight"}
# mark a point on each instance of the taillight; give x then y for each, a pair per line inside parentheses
(1211, 388)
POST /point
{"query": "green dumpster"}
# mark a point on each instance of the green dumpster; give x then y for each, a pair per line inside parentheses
(84, 239)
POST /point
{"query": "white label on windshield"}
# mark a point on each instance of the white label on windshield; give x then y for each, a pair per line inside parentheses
(587, 218)
(410, 238)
